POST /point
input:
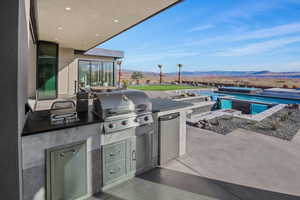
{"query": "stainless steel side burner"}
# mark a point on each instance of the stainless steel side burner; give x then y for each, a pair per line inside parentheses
(63, 112)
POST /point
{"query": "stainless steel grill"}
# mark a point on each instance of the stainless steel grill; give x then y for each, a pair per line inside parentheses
(123, 109)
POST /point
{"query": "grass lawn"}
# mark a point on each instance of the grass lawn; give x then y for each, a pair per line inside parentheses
(163, 87)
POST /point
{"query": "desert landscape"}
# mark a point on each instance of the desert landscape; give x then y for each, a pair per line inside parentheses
(263, 79)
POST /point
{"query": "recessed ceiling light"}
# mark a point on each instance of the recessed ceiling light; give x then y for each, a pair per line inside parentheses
(67, 8)
(97, 35)
(59, 28)
(116, 20)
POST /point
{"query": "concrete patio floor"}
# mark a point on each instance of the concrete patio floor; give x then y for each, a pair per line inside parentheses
(242, 165)
(165, 184)
(244, 158)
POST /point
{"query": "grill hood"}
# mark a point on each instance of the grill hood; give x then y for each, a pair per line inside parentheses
(115, 103)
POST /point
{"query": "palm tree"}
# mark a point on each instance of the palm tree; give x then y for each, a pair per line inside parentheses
(179, 73)
(119, 62)
(160, 73)
(137, 76)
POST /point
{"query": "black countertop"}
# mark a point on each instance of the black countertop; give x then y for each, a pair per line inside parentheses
(161, 105)
(39, 122)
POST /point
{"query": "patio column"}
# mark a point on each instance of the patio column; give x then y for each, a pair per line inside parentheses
(13, 95)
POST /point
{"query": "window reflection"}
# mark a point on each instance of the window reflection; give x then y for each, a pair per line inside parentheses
(95, 74)
(47, 58)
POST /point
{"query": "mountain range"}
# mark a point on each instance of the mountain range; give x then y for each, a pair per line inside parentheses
(244, 74)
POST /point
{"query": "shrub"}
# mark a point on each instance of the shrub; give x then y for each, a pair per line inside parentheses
(125, 84)
(274, 124)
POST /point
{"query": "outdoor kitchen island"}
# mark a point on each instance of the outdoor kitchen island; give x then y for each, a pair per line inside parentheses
(86, 157)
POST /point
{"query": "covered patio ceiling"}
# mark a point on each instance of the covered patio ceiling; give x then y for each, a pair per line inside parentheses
(84, 24)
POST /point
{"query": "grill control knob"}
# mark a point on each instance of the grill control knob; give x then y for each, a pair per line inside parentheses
(136, 120)
(146, 118)
(124, 123)
(110, 125)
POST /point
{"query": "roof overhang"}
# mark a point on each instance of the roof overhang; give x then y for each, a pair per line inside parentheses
(84, 24)
(102, 52)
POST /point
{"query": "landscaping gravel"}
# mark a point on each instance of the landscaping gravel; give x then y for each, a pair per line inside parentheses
(283, 124)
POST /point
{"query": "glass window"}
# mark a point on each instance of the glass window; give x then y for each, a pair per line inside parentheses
(47, 62)
(109, 76)
(95, 74)
(84, 74)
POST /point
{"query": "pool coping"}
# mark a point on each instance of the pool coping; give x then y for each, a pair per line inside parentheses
(220, 113)
(258, 95)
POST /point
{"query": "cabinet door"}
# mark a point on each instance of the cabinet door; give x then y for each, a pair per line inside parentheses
(141, 152)
(68, 175)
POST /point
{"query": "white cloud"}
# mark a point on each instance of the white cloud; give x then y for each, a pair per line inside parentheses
(202, 28)
(271, 32)
(161, 55)
(259, 47)
(245, 9)
(266, 33)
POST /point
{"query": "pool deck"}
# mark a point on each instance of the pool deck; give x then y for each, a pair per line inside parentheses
(240, 166)
(245, 158)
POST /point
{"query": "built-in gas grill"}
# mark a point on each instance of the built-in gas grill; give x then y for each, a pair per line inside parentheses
(123, 109)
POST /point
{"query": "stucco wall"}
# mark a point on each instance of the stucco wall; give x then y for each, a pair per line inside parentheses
(65, 58)
(31, 69)
(13, 79)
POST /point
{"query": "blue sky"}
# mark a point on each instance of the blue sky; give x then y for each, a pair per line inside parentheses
(206, 35)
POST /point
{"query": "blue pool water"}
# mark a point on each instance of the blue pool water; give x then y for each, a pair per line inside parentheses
(242, 88)
(245, 97)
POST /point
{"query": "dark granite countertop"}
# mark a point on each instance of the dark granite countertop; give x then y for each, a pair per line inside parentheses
(39, 122)
(160, 105)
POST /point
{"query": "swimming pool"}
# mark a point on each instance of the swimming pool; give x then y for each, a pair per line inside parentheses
(215, 95)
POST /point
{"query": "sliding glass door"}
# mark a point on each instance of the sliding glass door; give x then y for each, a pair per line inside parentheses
(47, 64)
(95, 74)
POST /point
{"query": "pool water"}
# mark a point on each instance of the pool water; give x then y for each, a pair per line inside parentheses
(242, 88)
(245, 97)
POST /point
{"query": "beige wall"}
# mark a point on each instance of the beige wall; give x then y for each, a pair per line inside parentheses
(65, 58)
(31, 70)
(31, 83)
(73, 74)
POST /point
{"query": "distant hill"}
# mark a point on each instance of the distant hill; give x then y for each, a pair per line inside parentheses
(245, 74)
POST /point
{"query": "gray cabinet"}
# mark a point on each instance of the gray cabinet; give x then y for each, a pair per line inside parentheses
(115, 161)
(141, 152)
(169, 129)
(67, 172)
(127, 157)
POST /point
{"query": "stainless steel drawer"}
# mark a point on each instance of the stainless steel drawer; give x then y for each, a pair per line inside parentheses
(114, 171)
(114, 152)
